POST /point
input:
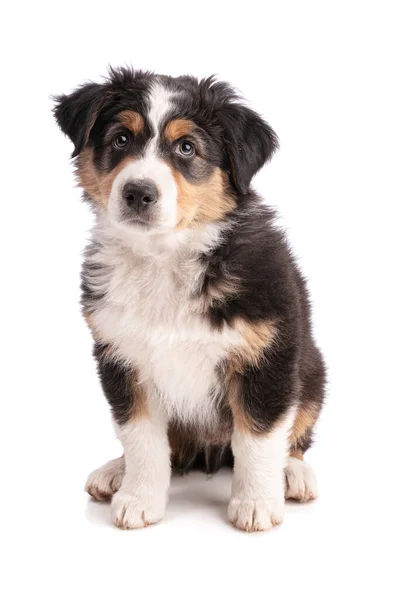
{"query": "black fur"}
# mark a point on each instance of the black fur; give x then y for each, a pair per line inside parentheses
(256, 253)
(76, 113)
(249, 141)
(116, 381)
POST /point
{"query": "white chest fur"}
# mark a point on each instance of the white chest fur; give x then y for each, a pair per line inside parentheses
(149, 315)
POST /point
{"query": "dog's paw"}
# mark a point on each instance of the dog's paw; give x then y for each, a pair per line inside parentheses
(255, 515)
(105, 481)
(300, 481)
(133, 512)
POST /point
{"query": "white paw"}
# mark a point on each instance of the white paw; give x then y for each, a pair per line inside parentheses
(256, 515)
(105, 481)
(133, 512)
(300, 481)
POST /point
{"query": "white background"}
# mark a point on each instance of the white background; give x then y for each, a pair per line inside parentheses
(333, 78)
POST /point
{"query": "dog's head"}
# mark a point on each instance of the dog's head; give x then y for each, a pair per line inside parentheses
(163, 153)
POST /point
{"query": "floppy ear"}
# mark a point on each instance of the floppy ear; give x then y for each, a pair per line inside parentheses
(77, 113)
(250, 143)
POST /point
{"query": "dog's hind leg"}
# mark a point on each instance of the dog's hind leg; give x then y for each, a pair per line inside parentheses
(300, 480)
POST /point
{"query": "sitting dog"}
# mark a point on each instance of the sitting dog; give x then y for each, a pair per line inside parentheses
(199, 313)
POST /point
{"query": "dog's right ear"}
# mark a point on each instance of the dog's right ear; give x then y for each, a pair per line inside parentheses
(77, 113)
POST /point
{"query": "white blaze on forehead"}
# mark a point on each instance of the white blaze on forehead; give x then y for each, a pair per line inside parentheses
(160, 104)
(151, 166)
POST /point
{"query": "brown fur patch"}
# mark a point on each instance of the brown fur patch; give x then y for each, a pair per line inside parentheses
(242, 421)
(257, 336)
(305, 419)
(97, 185)
(218, 292)
(297, 454)
(179, 441)
(202, 202)
(183, 438)
(178, 128)
(139, 410)
(189, 443)
(132, 120)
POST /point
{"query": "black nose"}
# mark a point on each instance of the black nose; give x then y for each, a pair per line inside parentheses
(139, 194)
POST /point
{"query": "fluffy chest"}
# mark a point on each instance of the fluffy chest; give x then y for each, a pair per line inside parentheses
(150, 315)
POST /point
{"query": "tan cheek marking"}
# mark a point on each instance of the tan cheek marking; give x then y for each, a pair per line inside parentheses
(107, 180)
(178, 128)
(257, 337)
(132, 120)
(96, 184)
(202, 202)
(86, 174)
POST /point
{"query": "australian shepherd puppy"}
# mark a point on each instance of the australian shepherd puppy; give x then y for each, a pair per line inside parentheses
(199, 313)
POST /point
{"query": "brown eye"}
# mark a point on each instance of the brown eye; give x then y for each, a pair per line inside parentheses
(186, 149)
(120, 142)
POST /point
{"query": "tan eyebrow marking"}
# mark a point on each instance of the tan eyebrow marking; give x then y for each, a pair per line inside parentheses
(176, 128)
(132, 120)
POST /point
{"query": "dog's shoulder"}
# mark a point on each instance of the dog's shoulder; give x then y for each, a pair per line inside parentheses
(256, 266)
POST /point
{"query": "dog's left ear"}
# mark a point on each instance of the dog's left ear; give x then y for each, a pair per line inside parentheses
(77, 113)
(250, 143)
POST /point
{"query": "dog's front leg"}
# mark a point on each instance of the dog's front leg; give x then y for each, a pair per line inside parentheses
(142, 429)
(257, 499)
(142, 497)
(263, 400)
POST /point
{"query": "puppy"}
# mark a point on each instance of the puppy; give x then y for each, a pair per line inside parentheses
(199, 313)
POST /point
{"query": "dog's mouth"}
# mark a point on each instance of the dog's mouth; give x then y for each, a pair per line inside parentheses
(145, 219)
(138, 221)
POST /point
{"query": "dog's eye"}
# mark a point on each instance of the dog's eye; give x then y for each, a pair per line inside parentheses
(121, 141)
(186, 149)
